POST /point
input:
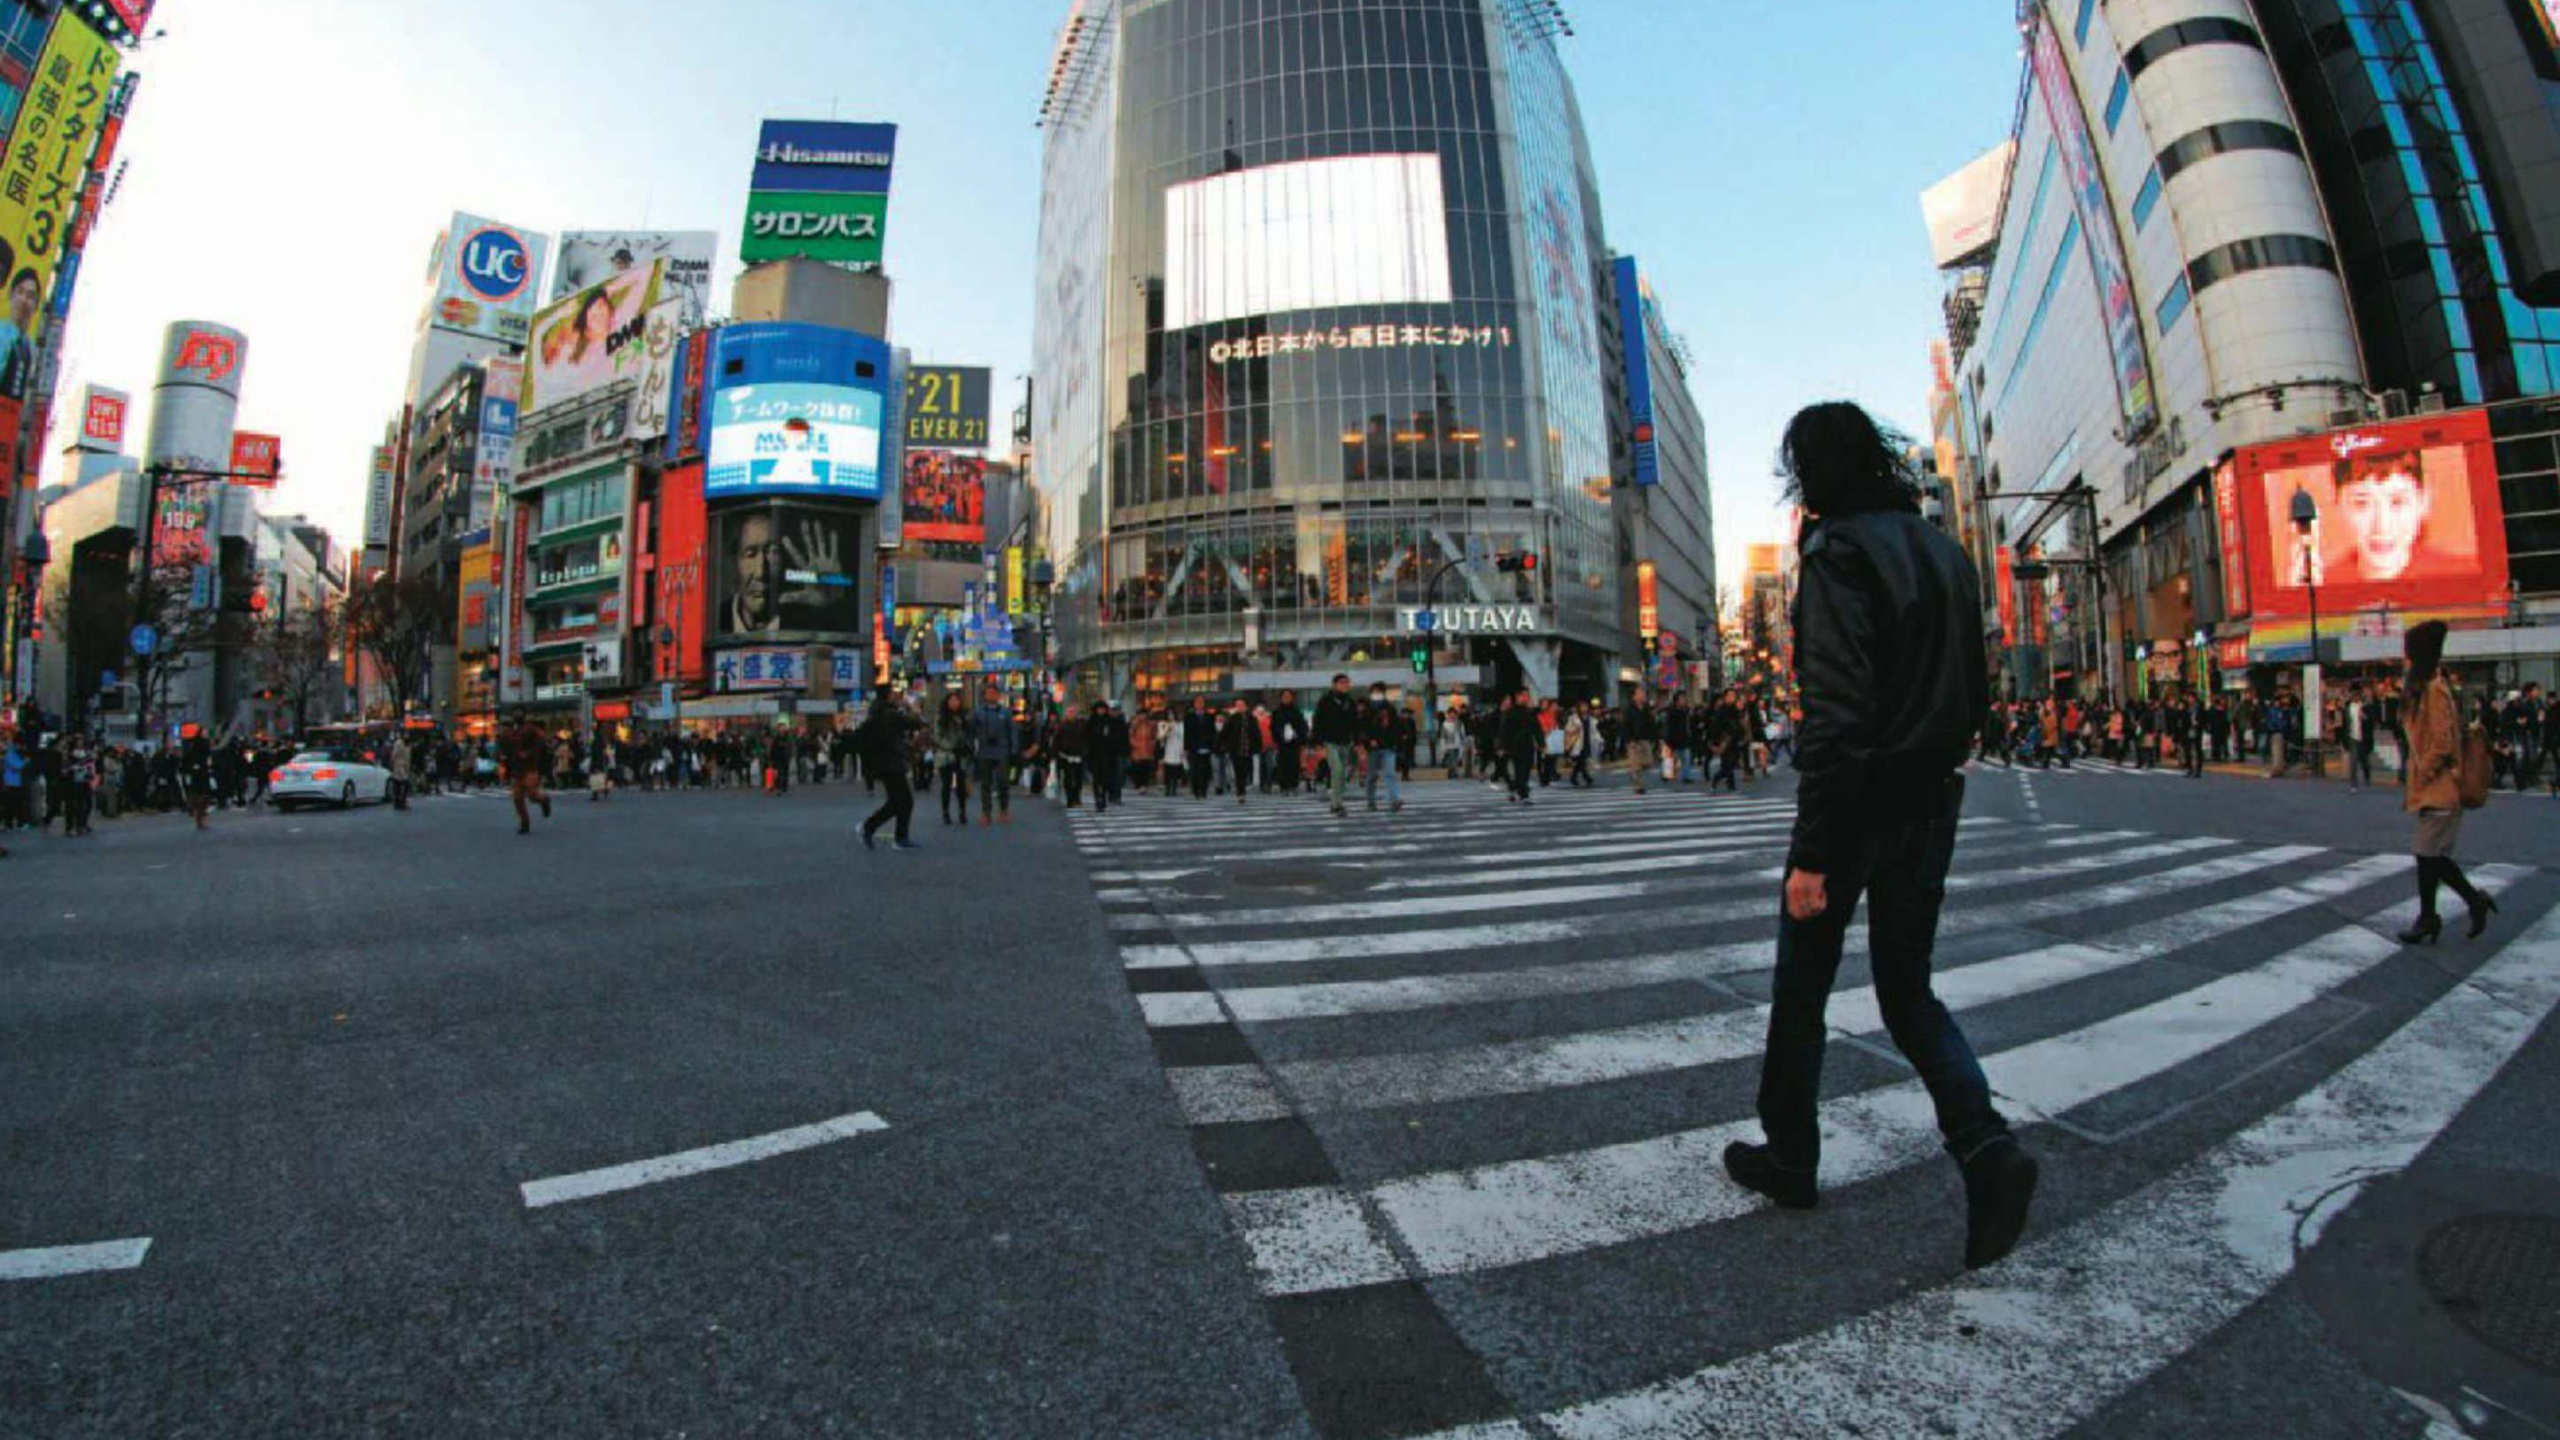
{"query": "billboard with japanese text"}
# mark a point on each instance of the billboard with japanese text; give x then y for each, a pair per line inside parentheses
(2404, 515)
(48, 149)
(795, 439)
(591, 257)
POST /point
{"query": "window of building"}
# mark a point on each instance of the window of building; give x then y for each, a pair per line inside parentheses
(2263, 252)
(2117, 97)
(2035, 323)
(2080, 27)
(2147, 198)
(2174, 304)
(22, 31)
(2223, 139)
(2169, 39)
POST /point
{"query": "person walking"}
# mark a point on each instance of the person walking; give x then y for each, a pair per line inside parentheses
(1107, 744)
(1381, 740)
(2355, 733)
(79, 785)
(1288, 740)
(2434, 785)
(1890, 663)
(882, 740)
(398, 764)
(951, 753)
(1067, 743)
(1200, 747)
(1644, 729)
(1522, 740)
(1336, 727)
(1581, 737)
(1240, 746)
(522, 754)
(994, 746)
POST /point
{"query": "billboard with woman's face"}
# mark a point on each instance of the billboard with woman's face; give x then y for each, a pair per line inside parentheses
(592, 338)
(2406, 514)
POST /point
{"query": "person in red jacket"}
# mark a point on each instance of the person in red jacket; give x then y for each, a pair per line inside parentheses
(525, 752)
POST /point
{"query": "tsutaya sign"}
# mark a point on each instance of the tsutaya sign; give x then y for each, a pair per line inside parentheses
(1470, 620)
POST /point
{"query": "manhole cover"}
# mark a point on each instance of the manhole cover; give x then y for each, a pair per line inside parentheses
(1280, 877)
(2498, 1276)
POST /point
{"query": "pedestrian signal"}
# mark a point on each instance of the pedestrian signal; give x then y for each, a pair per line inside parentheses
(1421, 659)
(1524, 563)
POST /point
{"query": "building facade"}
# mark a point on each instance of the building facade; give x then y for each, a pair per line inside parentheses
(1662, 499)
(1318, 304)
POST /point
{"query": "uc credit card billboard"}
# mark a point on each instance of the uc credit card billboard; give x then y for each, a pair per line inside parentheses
(799, 410)
(486, 279)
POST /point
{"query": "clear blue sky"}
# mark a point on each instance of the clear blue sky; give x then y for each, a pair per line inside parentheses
(292, 160)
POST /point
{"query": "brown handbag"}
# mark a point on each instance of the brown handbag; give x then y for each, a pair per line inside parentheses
(2473, 773)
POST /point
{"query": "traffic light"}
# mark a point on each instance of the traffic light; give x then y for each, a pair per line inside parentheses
(1422, 659)
(1524, 563)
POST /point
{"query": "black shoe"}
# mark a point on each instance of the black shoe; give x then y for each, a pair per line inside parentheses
(524, 827)
(1752, 1168)
(2425, 932)
(1999, 1184)
(866, 841)
(2481, 910)
(546, 807)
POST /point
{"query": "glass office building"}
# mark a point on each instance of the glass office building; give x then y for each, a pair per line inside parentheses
(1318, 304)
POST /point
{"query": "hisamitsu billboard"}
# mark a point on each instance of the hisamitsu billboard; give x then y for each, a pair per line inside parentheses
(824, 157)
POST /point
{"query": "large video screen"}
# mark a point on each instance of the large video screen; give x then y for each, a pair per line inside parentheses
(1306, 235)
(2406, 515)
(784, 569)
(795, 439)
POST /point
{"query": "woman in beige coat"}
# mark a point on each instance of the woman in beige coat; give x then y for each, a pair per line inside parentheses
(2433, 779)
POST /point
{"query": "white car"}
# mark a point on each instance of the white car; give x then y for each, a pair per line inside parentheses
(327, 777)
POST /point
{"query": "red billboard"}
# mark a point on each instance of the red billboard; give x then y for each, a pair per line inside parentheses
(2407, 516)
(944, 497)
(255, 459)
(682, 602)
(104, 420)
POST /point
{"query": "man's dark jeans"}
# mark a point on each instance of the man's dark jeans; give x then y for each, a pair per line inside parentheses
(1901, 869)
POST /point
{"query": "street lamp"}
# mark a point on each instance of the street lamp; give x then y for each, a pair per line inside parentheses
(2306, 530)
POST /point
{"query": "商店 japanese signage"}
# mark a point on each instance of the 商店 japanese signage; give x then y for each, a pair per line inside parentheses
(1360, 337)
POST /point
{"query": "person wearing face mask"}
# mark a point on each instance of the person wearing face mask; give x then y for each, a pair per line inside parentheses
(1382, 738)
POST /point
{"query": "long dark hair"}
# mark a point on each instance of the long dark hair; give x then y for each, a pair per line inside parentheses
(1836, 460)
(2424, 645)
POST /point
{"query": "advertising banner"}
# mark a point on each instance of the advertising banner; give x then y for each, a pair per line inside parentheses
(947, 406)
(494, 470)
(484, 278)
(2235, 546)
(49, 146)
(590, 257)
(784, 569)
(690, 402)
(2408, 517)
(944, 497)
(256, 459)
(781, 667)
(2098, 228)
(660, 337)
(591, 339)
(2007, 583)
(183, 535)
(102, 419)
(684, 605)
(377, 499)
(795, 439)
(1631, 319)
(1963, 210)
(839, 157)
(838, 229)
(1648, 601)
(519, 534)
(478, 583)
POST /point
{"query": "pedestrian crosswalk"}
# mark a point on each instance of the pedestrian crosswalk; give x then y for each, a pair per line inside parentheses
(1462, 1077)
(2088, 766)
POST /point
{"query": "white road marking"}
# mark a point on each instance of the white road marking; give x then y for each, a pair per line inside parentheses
(1296, 950)
(587, 1184)
(2139, 1284)
(54, 1261)
(1520, 1211)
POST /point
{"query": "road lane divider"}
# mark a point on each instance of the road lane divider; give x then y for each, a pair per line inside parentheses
(588, 1184)
(52, 1262)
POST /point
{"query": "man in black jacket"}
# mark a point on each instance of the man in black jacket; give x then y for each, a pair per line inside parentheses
(1523, 738)
(1200, 747)
(1337, 729)
(1891, 668)
(1643, 728)
(1106, 745)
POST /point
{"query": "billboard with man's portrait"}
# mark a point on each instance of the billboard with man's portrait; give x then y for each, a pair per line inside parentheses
(944, 497)
(2406, 515)
(786, 569)
(592, 338)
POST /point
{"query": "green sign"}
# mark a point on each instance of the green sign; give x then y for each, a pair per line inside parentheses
(839, 229)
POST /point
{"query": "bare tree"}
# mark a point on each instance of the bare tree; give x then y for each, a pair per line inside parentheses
(302, 657)
(399, 623)
(183, 626)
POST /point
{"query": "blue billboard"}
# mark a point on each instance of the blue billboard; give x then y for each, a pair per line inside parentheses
(797, 410)
(1631, 318)
(824, 157)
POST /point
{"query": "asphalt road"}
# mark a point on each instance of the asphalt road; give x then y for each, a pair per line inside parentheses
(1206, 1120)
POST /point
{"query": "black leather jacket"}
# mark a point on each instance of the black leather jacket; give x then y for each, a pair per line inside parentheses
(1890, 665)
